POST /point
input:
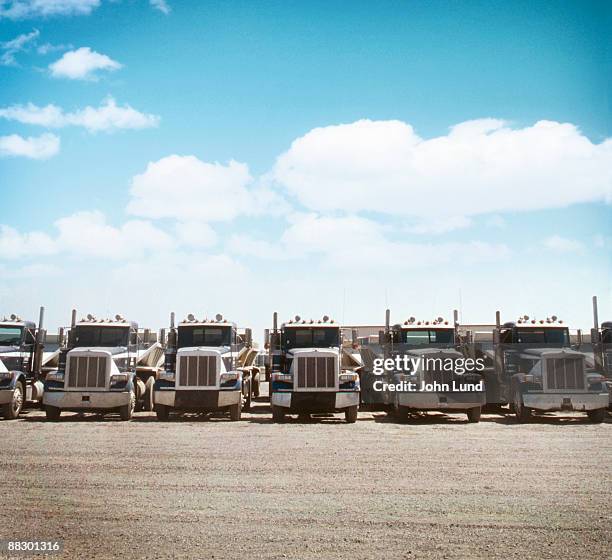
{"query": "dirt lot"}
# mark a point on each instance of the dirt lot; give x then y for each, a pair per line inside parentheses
(208, 488)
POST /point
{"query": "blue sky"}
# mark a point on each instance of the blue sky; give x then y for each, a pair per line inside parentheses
(241, 81)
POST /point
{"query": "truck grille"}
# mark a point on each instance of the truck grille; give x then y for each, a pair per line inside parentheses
(316, 373)
(565, 373)
(437, 374)
(198, 371)
(87, 372)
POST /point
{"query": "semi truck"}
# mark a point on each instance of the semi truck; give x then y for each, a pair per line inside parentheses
(599, 359)
(430, 370)
(104, 367)
(307, 375)
(21, 354)
(535, 369)
(209, 367)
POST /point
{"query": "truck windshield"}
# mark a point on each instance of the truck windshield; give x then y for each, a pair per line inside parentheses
(325, 337)
(10, 336)
(204, 336)
(106, 337)
(542, 336)
(428, 336)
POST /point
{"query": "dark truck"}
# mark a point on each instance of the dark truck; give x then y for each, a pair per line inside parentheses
(21, 354)
(209, 366)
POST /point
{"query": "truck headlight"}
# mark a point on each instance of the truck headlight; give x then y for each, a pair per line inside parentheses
(530, 378)
(230, 376)
(55, 376)
(118, 380)
(167, 374)
(595, 378)
(348, 377)
(283, 377)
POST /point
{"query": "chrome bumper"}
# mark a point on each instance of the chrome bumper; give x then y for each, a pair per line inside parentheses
(566, 401)
(84, 400)
(341, 400)
(440, 401)
(194, 398)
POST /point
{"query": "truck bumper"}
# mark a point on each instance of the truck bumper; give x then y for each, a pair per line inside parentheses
(566, 401)
(440, 401)
(315, 402)
(197, 400)
(79, 401)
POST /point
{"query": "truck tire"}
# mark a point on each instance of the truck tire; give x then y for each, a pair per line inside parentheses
(52, 413)
(11, 410)
(473, 414)
(235, 412)
(162, 411)
(148, 395)
(256, 388)
(596, 416)
(523, 413)
(350, 414)
(278, 414)
(126, 412)
(248, 398)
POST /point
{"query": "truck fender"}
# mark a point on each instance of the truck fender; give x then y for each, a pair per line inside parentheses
(17, 377)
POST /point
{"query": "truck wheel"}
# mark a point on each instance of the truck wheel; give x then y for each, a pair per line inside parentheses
(597, 416)
(127, 410)
(278, 414)
(473, 414)
(235, 411)
(523, 413)
(148, 395)
(256, 388)
(248, 398)
(52, 413)
(11, 410)
(350, 414)
(162, 411)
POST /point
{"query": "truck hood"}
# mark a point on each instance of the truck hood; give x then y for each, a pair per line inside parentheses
(435, 352)
(309, 351)
(552, 353)
(220, 350)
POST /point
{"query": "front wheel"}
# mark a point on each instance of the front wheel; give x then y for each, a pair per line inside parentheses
(523, 413)
(148, 394)
(350, 414)
(126, 412)
(473, 414)
(248, 398)
(235, 411)
(278, 414)
(11, 410)
(597, 416)
(162, 411)
(53, 413)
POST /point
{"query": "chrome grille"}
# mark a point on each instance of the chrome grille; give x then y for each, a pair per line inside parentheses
(437, 374)
(87, 372)
(316, 372)
(198, 371)
(565, 373)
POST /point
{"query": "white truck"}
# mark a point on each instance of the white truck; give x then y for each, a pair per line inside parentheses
(21, 352)
(104, 367)
(307, 375)
(209, 367)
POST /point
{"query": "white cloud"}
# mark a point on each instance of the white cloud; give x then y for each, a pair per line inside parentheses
(479, 167)
(160, 5)
(563, 244)
(33, 147)
(18, 44)
(190, 190)
(438, 226)
(21, 9)
(49, 48)
(82, 64)
(195, 234)
(108, 117)
(33, 244)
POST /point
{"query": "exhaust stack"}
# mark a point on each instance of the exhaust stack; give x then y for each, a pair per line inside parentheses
(456, 317)
(73, 319)
(498, 319)
(595, 314)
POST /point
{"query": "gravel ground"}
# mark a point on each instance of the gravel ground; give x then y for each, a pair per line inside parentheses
(199, 487)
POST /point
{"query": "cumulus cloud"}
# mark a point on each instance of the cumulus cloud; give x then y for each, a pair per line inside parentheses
(108, 117)
(561, 244)
(33, 147)
(160, 5)
(188, 189)
(14, 244)
(480, 166)
(22, 9)
(19, 44)
(82, 64)
(195, 234)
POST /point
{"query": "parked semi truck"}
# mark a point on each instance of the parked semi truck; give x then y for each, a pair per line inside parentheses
(534, 369)
(599, 359)
(307, 375)
(21, 353)
(435, 373)
(209, 366)
(104, 367)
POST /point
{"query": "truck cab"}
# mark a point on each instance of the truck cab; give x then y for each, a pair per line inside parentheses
(21, 349)
(537, 370)
(208, 367)
(97, 369)
(435, 373)
(307, 374)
